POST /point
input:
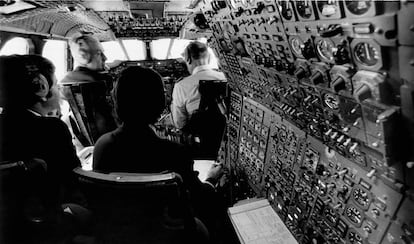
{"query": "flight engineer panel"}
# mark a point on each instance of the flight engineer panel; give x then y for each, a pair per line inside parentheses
(321, 113)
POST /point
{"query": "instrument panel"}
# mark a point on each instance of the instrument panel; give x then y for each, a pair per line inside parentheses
(321, 115)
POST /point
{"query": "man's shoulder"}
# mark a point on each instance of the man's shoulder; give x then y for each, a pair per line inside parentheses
(80, 76)
(212, 74)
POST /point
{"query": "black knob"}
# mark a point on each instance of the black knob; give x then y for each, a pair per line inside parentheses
(341, 56)
(317, 78)
(307, 50)
(259, 8)
(239, 12)
(338, 84)
(300, 73)
(363, 92)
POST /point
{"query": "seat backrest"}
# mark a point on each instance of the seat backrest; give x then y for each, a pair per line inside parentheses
(208, 123)
(25, 202)
(92, 110)
(138, 208)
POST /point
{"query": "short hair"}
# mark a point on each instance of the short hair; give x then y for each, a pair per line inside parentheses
(195, 50)
(81, 53)
(139, 95)
(17, 72)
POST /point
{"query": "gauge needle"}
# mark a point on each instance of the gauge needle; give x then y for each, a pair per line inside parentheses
(367, 54)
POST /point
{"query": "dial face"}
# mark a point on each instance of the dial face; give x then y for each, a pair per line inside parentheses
(324, 49)
(361, 197)
(331, 101)
(251, 2)
(366, 54)
(245, 3)
(304, 8)
(296, 44)
(354, 238)
(328, 8)
(358, 7)
(233, 3)
(286, 9)
(353, 214)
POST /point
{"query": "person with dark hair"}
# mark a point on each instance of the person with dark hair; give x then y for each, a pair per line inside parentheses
(204, 125)
(28, 94)
(135, 148)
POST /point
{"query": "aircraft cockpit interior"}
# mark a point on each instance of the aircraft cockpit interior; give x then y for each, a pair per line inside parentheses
(207, 121)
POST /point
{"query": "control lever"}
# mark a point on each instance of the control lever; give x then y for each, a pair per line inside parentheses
(331, 31)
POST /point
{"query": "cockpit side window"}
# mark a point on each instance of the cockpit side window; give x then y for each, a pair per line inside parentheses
(16, 45)
(55, 51)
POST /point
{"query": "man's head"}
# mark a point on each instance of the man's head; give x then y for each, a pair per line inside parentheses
(28, 82)
(139, 96)
(88, 52)
(196, 54)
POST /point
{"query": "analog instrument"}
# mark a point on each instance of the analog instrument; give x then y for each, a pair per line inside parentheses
(304, 8)
(296, 44)
(358, 7)
(328, 8)
(331, 101)
(353, 214)
(324, 48)
(361, 197)
(354, 238)
(285, 9)
(366, 54)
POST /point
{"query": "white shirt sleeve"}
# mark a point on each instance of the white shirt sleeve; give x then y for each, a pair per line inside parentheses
(178, 109)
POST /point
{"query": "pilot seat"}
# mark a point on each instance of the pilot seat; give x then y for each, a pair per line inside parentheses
(140, 208)
(207, 125)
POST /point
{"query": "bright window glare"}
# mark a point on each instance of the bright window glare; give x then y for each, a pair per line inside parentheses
(113, 51)
(135, 49)
(17, 45)
(159, 48)
(55, 51)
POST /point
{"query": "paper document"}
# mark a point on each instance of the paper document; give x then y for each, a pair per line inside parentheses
(256, 222)
(202, 166)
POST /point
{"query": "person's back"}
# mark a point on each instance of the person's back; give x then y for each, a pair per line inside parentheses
(186, 97)
(139, 150)
(135, 148)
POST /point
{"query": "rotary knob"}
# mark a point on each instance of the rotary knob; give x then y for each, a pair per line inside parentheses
(300, 73)
(338, 84)
(362, 93)
(317, 78)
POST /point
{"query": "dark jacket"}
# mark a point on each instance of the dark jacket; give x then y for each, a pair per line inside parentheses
(25, 135)
(139, 149)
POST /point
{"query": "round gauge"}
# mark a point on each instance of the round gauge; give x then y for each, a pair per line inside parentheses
(324, 48)
(245, 3)
(233, 4)
(361, 197)
(296, 44)
(366, 54)
(331, 101)
(251, 2)
(353, 214)
(304, 8)
(328, 8)
(286, 9)
(358, 7)
(354, 238)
